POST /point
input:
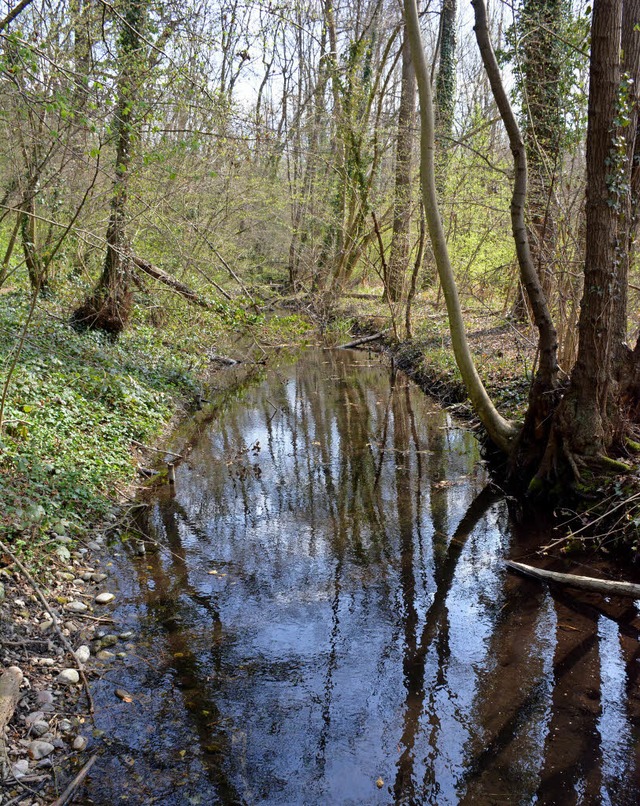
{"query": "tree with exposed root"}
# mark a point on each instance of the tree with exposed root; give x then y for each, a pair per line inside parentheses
(109, 306)
(562, 432)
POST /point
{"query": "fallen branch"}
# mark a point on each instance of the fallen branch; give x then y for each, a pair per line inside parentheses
(68, 792)
(156, 450)
(606, 586)
(56, 626)
(10, 681)
(222, 359)
(171, 282)
(364, 340)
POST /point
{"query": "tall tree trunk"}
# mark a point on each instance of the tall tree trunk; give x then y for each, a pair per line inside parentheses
(28, 231)
(541, 23)
(445, 94)
(401, 239)
(109, 307)
(589, 419)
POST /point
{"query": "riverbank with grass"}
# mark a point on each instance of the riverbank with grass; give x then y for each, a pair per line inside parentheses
(84, 425)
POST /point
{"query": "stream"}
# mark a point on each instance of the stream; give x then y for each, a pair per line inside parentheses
(323, 616)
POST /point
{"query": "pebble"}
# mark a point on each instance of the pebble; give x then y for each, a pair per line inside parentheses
(82, 653)
(104, 598)
(20, 768)
(43, 697)
(38, 749)
(87, 576)
(93, 545)
(68, 677)
(33, 717)
(45, 626)
(106, 641)
(65, 726)
(2, 593)
(98, 577)
(77, 607)
(40, 727)
(123, 694)
(79, 743)
(19, 602)
(104, 654)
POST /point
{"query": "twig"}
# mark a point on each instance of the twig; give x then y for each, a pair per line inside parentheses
(54, 618)
(68, 792)
(156, 450)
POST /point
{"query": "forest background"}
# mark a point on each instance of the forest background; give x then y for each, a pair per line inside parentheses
(184, 181)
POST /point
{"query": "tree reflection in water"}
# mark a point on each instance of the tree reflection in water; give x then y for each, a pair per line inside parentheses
(332, 608)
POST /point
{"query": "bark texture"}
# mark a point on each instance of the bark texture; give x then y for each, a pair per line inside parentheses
(401, 240)
(109, 307)
(590, 418)
(501, 431)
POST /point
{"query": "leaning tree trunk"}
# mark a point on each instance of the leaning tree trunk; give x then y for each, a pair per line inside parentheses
(543, 75)
(401, 240)
(501, 431)
(590, 418)
(109, 306)
(543, 395)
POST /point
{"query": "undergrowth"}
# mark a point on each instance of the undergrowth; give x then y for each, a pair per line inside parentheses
(77, 403)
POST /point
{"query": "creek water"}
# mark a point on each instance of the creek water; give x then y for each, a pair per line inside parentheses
(328, 620)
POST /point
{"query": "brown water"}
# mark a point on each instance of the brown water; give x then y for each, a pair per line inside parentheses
(330, 621)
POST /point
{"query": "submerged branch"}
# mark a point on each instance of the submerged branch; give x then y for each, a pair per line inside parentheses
(605, 586)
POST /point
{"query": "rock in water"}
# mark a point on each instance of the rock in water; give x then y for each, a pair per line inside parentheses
(77, 607)
(38, 749)
(79, 743)
(104, 598)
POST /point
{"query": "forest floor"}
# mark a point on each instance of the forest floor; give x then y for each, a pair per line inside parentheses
(84, 425)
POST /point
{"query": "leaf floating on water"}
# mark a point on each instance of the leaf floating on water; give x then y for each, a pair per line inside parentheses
(123, 695)
(379, 783)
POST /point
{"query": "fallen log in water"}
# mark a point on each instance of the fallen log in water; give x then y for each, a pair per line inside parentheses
(363, 340)
(607, 586)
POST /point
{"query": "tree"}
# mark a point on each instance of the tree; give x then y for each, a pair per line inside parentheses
(109, 307)
(590, 419)
(403, 201)
(501, 431)
(594, 414)
(445, 92)
(545, 65)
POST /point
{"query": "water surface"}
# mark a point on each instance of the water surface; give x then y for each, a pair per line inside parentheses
(329, 621)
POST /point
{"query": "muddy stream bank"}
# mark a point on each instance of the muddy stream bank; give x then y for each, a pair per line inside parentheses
(322, 616)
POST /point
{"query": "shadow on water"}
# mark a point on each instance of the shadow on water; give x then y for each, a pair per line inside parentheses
(328, 621)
